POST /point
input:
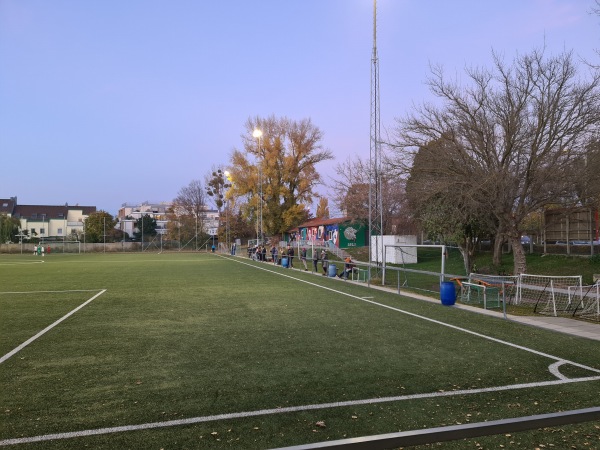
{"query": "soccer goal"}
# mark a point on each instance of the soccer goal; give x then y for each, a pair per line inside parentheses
(550, 295)
(62, 247)
(587, 300)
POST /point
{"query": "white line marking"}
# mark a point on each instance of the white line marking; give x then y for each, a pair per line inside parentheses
(50, 292)
(290, 409)
(19, 263)
(555, 370)
(464, 330)
(48, 328)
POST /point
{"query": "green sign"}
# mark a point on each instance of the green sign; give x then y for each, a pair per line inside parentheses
(352, 235)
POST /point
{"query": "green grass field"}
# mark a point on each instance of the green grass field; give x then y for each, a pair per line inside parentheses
(196, 350)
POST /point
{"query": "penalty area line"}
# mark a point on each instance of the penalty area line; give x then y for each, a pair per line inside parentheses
(283, 410)
(49, 327)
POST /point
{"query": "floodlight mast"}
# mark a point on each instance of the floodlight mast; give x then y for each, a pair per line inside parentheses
(375, 197)
(257, 133)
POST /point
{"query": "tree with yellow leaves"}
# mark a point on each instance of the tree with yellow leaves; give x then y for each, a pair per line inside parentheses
(278, 169)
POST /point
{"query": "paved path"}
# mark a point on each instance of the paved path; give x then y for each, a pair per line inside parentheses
(560, 324)
(566, 325)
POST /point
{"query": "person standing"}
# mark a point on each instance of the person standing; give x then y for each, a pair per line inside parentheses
(274, 254)
(303, 258)
(291, 257)
(324, 261)
(315, 258)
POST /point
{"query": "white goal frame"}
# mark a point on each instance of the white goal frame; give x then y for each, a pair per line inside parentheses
(417, 246)
(59, 246)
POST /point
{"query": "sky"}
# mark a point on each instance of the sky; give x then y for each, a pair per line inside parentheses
(105, 102)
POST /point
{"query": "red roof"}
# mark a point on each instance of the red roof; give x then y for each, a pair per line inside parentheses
(320, 221)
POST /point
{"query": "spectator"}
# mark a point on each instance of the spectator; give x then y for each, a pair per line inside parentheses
(274, 254)
(324, 261)
(290, 256)
(315, 257)
(303, 258)
(348, 266)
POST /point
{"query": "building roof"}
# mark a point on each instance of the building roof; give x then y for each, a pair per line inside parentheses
(49, 212)
(7, 205)
(320, 221)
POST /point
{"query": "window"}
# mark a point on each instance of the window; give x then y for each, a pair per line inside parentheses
(33, 231)
(59, 231)
(42, 231)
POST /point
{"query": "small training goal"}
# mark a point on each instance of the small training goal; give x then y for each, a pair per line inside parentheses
(550, 295)
(587, 301)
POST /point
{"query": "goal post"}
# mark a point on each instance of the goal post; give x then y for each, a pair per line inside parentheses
(391, 252)
(550, 295)
(62, 247)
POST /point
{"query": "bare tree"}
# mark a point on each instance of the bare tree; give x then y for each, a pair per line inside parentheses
(517, 128)
(350, 190)
(188, 212)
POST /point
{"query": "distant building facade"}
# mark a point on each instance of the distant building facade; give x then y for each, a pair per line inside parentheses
(129, 213)
(48, 222)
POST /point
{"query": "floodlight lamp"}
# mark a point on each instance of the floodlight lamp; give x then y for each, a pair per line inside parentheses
(257, 133)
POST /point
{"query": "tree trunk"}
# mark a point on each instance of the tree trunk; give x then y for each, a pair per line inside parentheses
(467, 249)
(497, 258)
(519, 259)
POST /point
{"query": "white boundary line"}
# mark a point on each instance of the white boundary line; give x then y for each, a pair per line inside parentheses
(49, 327)
(464, 330)
(202, 419)
(50, 292)
(20, 263)
(272, 411)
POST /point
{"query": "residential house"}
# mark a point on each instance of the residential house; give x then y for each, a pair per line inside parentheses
(48, 222)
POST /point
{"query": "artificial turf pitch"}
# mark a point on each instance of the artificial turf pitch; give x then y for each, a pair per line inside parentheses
(196, 350)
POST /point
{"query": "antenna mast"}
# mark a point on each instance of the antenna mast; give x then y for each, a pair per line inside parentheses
(375, 200)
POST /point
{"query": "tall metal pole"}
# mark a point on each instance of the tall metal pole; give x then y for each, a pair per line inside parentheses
(375, 200)
(259, 228)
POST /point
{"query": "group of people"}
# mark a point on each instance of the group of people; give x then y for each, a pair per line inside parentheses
(259, 253)
(40, 250)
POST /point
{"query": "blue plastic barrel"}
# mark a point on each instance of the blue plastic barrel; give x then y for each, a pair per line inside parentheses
(284, 262)
(447, 293)
(332, 270)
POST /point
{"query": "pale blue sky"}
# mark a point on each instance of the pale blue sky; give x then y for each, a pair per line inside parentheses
(104, 102)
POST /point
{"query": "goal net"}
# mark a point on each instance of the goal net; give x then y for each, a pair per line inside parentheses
(490, 290)
(62, 247)
(550, 295)
(587, 301)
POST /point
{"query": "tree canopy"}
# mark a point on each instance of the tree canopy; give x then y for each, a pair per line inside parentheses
(279, 167)
(513, 132)
(99, 227)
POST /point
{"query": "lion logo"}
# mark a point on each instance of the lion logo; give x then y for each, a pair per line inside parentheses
(350, 233)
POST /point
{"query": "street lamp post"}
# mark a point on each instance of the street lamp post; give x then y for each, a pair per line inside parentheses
(228, 178)
(258, 134)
